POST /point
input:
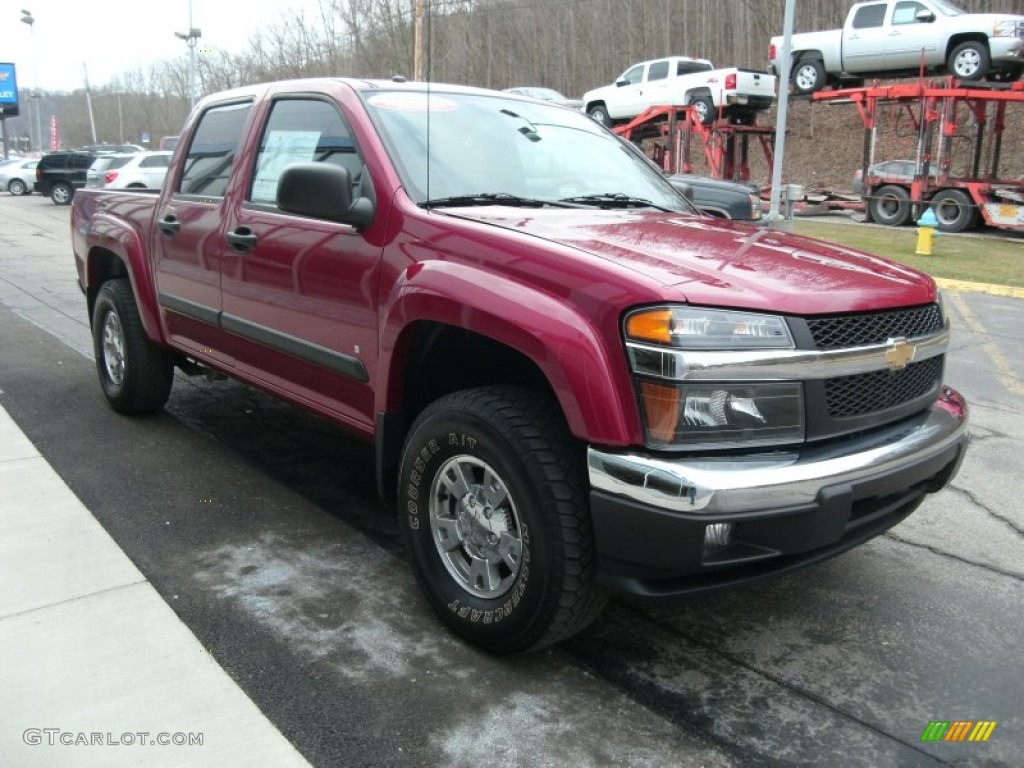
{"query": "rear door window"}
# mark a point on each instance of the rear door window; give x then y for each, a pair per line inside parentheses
(868, 16)
(213, 149)
(658, 70)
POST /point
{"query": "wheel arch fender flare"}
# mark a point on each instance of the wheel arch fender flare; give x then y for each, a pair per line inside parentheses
(116, 250)
(573, 354)
(965, 37)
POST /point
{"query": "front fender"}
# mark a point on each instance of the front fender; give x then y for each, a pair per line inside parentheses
(108, 237)
(586, 369)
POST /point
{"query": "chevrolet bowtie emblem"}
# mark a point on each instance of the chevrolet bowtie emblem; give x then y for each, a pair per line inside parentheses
(900, 353)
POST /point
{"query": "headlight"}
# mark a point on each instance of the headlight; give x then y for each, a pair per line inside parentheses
(1004, 29)
(721, 414)
(691, 415)
(695, 328)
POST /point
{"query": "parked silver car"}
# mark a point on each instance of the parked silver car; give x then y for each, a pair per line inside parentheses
(19, 176)
(139, 170)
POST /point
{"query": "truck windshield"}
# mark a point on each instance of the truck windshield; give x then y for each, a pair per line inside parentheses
(453, 146)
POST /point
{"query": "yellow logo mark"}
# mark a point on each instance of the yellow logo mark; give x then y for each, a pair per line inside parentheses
(900, 353)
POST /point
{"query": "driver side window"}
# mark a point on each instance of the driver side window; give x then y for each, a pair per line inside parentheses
(302, 131)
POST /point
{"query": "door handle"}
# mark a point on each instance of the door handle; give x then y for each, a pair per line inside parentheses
(169, 224)
(242, 239)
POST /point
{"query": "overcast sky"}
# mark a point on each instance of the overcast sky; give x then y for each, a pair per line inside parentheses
(110, 36)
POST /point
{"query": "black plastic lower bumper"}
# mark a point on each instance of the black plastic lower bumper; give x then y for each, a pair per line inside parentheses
(645, 551)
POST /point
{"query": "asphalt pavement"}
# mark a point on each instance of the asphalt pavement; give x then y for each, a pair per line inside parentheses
(224, 569)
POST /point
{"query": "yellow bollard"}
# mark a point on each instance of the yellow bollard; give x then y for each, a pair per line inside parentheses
(926, 233)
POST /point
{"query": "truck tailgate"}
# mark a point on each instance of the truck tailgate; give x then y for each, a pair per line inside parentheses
(751, 82)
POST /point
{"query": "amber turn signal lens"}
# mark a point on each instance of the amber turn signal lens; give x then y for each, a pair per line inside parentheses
(661, 410)
(654, 326)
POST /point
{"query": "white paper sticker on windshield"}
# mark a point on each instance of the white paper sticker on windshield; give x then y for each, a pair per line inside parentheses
(281, 149)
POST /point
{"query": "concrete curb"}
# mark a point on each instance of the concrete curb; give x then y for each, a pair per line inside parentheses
(989, 288)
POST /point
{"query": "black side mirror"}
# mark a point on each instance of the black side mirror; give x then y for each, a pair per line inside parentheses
(323, 191)
(925, 16)
(621, 82)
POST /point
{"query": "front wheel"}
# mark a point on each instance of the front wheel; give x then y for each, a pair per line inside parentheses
(136, 375)
(599, 112)
(969, 61)
(17, 187)
(493, 507)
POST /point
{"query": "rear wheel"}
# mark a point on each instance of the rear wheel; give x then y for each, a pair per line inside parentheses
(17, 187)
(136, 375)
(808, 76)
(954, 211)
(61, 193)
(494, 512)
(890, 205)
(704, 108)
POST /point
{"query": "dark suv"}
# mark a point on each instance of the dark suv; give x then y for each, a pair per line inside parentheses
(59, 174)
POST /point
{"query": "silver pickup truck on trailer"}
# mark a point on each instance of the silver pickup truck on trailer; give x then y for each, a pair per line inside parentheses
(887, 38)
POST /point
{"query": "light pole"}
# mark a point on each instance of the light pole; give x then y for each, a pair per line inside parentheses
(28, 18)
(190, 38)
(120, 117)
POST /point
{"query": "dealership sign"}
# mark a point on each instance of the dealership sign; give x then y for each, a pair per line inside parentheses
(8, 91)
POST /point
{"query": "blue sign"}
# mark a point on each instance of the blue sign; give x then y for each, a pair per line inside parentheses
(8, 91)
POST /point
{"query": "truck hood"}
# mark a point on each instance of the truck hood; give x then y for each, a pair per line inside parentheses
(721, 263)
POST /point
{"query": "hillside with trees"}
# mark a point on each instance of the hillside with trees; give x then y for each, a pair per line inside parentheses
(570, 45)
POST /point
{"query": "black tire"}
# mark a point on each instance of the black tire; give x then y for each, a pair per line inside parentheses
(599, 112)
(954, 211)
(890, 205)
(135, 374)
(705, 109)
(808, 75)
(61, 193)
(969, 61)
(17, 187)
(532, 585)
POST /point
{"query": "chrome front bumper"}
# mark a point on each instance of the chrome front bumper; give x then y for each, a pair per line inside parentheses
(760, 482)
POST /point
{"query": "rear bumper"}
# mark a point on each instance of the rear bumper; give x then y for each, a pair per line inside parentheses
(651, 514)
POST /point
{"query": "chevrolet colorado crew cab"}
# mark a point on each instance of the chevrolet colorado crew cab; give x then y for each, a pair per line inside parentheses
(682, 81)
(574, 383)
(886, 38)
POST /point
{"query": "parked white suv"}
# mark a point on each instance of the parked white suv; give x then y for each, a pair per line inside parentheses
(139, 170)
(682, 81)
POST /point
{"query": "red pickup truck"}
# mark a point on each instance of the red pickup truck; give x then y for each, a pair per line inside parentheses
(575, 384)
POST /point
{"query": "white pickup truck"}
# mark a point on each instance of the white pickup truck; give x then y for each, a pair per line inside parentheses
(887, 38)
(681, 81)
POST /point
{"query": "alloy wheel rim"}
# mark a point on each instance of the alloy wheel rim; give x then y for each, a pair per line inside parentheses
(475, 527)
(113, 348)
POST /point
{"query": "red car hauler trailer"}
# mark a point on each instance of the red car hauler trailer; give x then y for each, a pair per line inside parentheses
(954, 134)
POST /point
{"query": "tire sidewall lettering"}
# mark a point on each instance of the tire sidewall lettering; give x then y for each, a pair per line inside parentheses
(419, 470)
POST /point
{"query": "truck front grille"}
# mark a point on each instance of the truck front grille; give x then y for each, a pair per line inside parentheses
(874, 328)
(863, 393)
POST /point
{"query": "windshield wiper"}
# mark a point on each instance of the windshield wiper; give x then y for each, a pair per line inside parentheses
(496, 198)
(613, 200)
